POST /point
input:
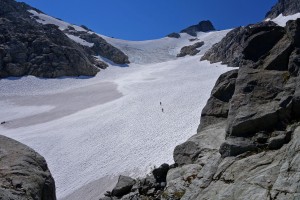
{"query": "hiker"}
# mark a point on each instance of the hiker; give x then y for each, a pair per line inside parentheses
(162, 110)
(160, 103)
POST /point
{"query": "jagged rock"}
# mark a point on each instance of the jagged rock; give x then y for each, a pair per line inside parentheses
(217, 106)
(123, 186)
(24, 174)
(285, 7)
(237, 146)
(160, 173)
(279, 140)
(203, 26)
(174, 35)
(190, 50)
(230, 50)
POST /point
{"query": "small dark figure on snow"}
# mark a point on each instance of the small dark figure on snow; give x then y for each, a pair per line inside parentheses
(162, 110)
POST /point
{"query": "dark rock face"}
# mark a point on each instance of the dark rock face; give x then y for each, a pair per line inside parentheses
(174, 35)
(30, 48)
(160, 173)
(285, 7)
(242, 42)
(24, 174)
(203, 26)
(101, 47)
(190, 50)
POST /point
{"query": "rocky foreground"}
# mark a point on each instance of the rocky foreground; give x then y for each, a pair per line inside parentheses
(24, 174)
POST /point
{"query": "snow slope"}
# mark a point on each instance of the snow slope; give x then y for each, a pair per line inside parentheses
(140, 52)
(164, 49)
(281, 20)
(90, 128)
(125, 134)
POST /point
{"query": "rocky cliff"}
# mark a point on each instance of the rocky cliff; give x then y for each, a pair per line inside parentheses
(31, 48)
(248, 141)
(24, 174)
(285, 7)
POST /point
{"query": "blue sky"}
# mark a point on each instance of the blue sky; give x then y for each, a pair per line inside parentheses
(151, 19)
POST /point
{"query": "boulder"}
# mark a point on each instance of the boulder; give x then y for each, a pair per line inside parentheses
(190, 50)
(24, 174)
(123, 186)
(237, 146)
(160, 173)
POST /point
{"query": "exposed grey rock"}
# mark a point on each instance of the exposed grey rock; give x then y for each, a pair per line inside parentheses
(249, 143)
(285, 7)
(174, 35)
(24, 174)
(123, 186)
(217, 106)
(190, 50)
(231, 49)
(203, 26)
(237, 146)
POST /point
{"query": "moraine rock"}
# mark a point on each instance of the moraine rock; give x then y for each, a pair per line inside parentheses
(203, 26)
(123, 186)
(24, 174)
(285, 7)
(190, 50)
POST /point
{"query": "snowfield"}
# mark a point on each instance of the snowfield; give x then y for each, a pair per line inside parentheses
(281, 20)
(92, 129)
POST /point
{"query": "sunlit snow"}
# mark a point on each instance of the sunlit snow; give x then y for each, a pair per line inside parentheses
(281, 20)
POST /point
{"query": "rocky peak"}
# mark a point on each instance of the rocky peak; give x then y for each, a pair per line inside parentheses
(285, 7)
(43, 50)
(203, 26)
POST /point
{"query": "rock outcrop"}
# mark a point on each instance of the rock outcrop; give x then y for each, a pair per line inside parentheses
(203, 26)
(24, 174)
(230, 50)
(190, 50)
(285, 7)
(30, 48)
(174, 35)
(249, 137)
